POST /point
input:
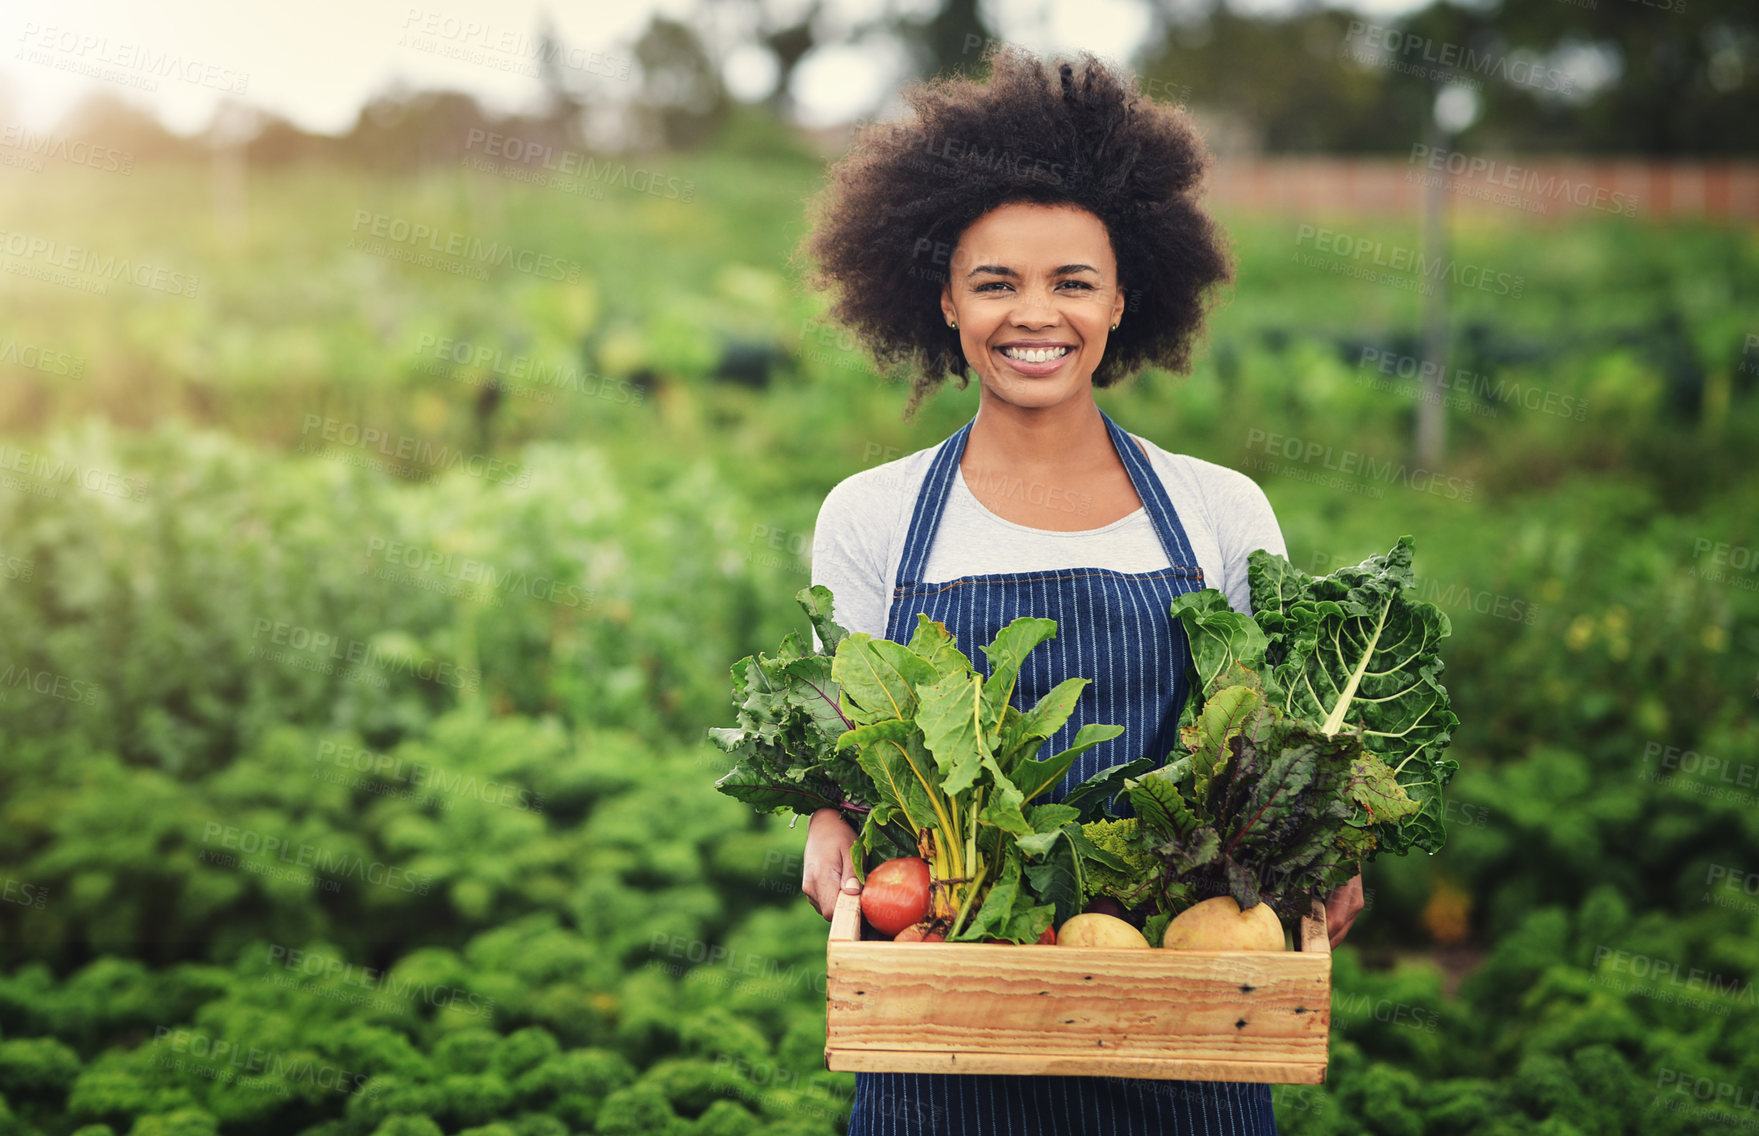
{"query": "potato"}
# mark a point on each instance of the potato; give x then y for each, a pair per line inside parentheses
(1092, 929)
(1219, 925)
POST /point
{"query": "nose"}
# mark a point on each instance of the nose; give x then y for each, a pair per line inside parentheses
(1032, 308)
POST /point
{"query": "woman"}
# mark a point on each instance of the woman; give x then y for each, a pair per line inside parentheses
(1042, 230)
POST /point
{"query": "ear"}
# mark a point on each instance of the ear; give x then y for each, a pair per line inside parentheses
(947, 311)
(1118, 304)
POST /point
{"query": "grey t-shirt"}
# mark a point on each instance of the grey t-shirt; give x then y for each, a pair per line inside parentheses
(858, 541)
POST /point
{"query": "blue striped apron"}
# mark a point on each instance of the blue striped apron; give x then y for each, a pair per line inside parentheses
(1114, 628)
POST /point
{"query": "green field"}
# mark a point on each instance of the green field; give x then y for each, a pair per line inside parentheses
(354, 707)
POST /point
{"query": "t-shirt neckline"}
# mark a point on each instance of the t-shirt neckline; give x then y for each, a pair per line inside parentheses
(1139, 511)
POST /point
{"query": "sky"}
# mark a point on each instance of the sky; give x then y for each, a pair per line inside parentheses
(317, 61)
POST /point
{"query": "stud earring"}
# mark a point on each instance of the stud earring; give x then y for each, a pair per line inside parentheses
(1114, 327)
(953, 324)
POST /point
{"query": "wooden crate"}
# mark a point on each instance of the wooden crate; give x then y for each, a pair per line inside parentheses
(1031, 1009)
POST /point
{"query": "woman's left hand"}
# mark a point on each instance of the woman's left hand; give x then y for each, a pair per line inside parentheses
(1341, 908)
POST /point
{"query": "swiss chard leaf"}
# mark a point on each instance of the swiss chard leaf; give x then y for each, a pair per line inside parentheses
(1046, 716)
(1008, 911)
(893, 756)
(1006, 653)
(1355, 648)
(878, 678)
(1220, 637)
(950, 715)
(932, 643)
(1035, 777)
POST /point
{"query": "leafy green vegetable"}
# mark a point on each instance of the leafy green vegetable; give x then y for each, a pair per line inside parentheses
(789, 720)
(954, 763)
(1265, 807)
(1350, 649)
(1119, 860)
(927, 757)
(1311, 741)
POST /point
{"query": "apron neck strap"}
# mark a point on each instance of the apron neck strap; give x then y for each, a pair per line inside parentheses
(931, 501)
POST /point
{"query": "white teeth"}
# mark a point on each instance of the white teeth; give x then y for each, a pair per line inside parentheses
(1035, 354)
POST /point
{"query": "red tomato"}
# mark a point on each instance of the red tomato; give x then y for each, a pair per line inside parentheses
(896, 895)
(1049, 937)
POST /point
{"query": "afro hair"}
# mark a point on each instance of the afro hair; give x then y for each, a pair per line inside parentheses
(906, 191)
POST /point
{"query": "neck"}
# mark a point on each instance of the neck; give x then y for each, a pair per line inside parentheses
(1068, 436)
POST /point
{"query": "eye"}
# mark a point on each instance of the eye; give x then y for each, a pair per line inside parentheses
(1004, 284)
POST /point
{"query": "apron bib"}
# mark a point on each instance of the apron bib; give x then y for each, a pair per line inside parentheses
(1115, 629)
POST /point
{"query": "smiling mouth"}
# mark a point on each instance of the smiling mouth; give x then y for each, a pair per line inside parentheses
(1035, 354)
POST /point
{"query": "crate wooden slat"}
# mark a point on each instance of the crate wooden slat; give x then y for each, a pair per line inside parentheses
(1029, 1009)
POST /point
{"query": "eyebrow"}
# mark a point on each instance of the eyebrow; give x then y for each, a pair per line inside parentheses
(1004, 270)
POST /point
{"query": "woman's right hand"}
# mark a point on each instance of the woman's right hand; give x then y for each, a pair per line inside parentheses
(828, 871)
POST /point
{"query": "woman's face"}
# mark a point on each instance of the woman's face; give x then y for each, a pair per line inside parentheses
(1039, 280)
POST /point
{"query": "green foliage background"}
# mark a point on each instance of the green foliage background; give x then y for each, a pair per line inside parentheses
(505, 898)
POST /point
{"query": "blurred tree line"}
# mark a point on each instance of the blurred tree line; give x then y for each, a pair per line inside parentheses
(1662, 78)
